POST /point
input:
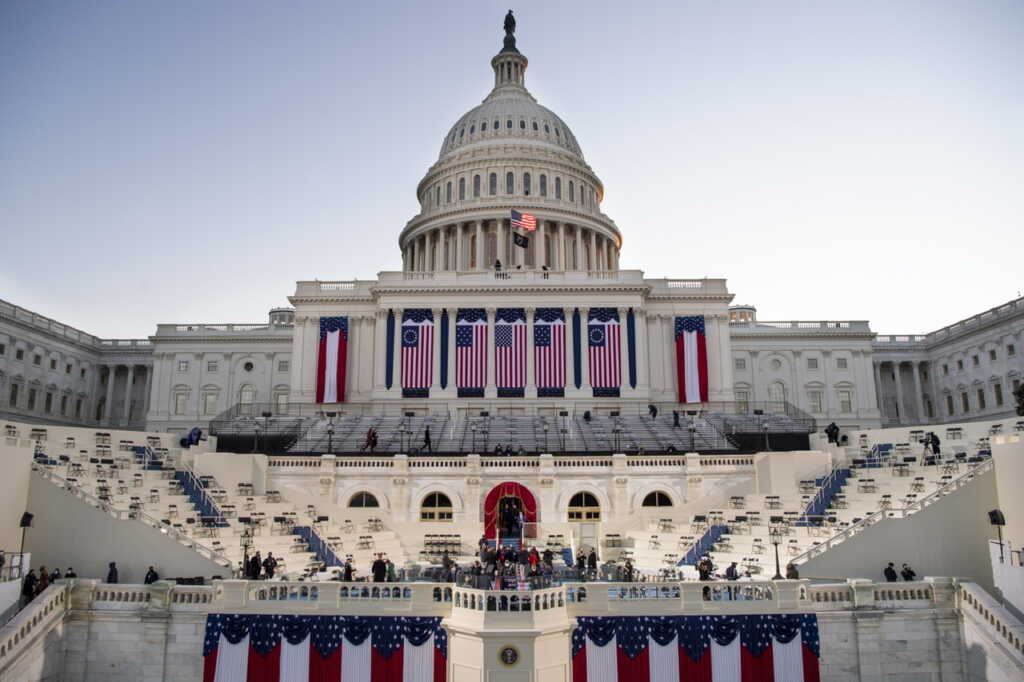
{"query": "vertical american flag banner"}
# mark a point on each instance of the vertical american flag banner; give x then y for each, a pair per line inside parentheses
(549, 352)
(604, 356)
(299, 648)
(691, 359)
(417, 352)
(470, 352)
(510, 352)
(762, 648)
(331, 360)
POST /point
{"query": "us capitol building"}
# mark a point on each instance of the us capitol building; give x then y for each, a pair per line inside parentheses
(511, 154)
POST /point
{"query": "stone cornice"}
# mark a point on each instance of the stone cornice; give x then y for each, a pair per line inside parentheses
(221, 339)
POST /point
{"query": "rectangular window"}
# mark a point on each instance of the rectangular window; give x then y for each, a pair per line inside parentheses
(975, 360)
(814, 399)
(997, 391)
(81, 374)
(845, 401)
(981, 399)
(283, 365)
(742, 401)
(78, 409)
(67, 369)
(209, 404)
(32, 399)
(281, 401)
(965, 402)
(211, 365)
(180, 400)
(929, 408)
(1011, 350)
(960, 365)
(945, 370)
(37, 359)
(48, 403)
(740, 363)
(53, 364)
(182, 365)
(14, 395)
(64, 405)
(19, 354)
(841, 363)
(949, 405)
(812, 363)
(992, 355)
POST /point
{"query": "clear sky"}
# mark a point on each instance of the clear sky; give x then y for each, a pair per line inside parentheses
(188, 161)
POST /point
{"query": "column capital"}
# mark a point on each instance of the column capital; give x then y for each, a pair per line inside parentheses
(491, 311)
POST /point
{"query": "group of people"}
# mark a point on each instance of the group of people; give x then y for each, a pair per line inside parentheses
(508, 451)
(35, 582)
(257, 568)
(652, 410)
(586, 565)
(510, 518)
(931, 443)
(509, 563)
(706, 571)
(382, 569)
(832, 433)
(371, 440)
(906, 572)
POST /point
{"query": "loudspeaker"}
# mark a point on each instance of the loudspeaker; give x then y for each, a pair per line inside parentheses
(26, 520)
(563, 413)
(758, 412)
(613, 413)
(410, 414)
(995, 517)
(485, 413)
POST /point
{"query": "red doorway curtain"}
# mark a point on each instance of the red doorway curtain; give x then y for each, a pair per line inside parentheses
(507, 489)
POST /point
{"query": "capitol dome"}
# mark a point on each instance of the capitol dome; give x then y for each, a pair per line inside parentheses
(507, 154)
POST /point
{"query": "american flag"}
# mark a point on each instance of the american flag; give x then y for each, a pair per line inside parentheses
(769, 647)
(417, 348)
(603, 342)
(524, 220)
(331, 360)
(510, 350)
(471, 351)
(691, 359)
(549, 351)
(299, 648)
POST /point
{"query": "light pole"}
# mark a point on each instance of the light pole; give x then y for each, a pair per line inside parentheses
(472, 427)
(776, 535)
(330, 437)
(764, 427)
(616, 437)
(545, 436)
(266, 428)
(692, 428)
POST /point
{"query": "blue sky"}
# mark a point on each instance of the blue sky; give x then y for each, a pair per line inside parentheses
(190, 160)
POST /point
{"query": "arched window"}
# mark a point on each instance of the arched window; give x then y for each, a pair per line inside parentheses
(472, 129)
(508, 124)
(584, 507)
(543, 185)
(247, 395)
(777, 392)
(572, 192)
(483, 126)
(510, 182)
(437, 198)
(492, 184)
(462, 132)
(547, 129)
(472, 251)
(558, 188)
(462, 189)
(363, 500)
(436, 507)
(534, 126)
(657, 499)
(522, 125)
(497, 124)
(526, 184)
(476, 185)
(448, 192)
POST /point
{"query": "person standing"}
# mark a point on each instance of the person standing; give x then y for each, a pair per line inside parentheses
(935, 444)
(791, 572)
(255, 566)
(269, 565)
(426, 439)
(28, 587)
(44, 580)
(112, 573)
(592, 564)
(379, 569)
(390, 573)
(890, 573)
(675, 419)
(908, 573)
(151, 576)
(347, 572)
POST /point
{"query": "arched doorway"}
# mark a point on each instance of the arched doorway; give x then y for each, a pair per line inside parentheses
(512, 492)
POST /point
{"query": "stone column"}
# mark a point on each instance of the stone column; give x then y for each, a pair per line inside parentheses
(414, 263)
(899, 392)
(753, 375)
(354, 359)
(531, 380)
(127, 411)
(108, 409)
(149, 391)
(642, 349)
(458, 247)
(380, 320)
(624, 351)
(298, 356)
(490, 390)
(879, 397)
(502, 250)
(396, 358)
(580, 262)
(452, 313)
(540, 253)
(560, 249)
(480, 265)
(435, 383)
(918, 393)
(826, 358)
(591, 253)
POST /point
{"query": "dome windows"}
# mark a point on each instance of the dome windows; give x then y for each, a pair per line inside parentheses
(483, 127)
(558, 188)
(557, 132)
(492, 184)
(472, 129)
(462, 132)
(543, 185)
(572, 191)
(437, 198)
(448, 193)
(476, 186)
(522, 125)
(497, 125)
(534, 126)
(547, 129)
(510, 183)
(462, 189)
(657, 499)
(526, 184)
(508, 124)
(363, 500)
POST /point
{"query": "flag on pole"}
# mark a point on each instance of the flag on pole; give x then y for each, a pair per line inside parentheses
(766, 648)
(417, 352)
(604, 356)
(691, 359)
(470, 352)
(300, 648)
(520, 240)
(331, 361)
(549, 352)
(510, 352)
(524, 220)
